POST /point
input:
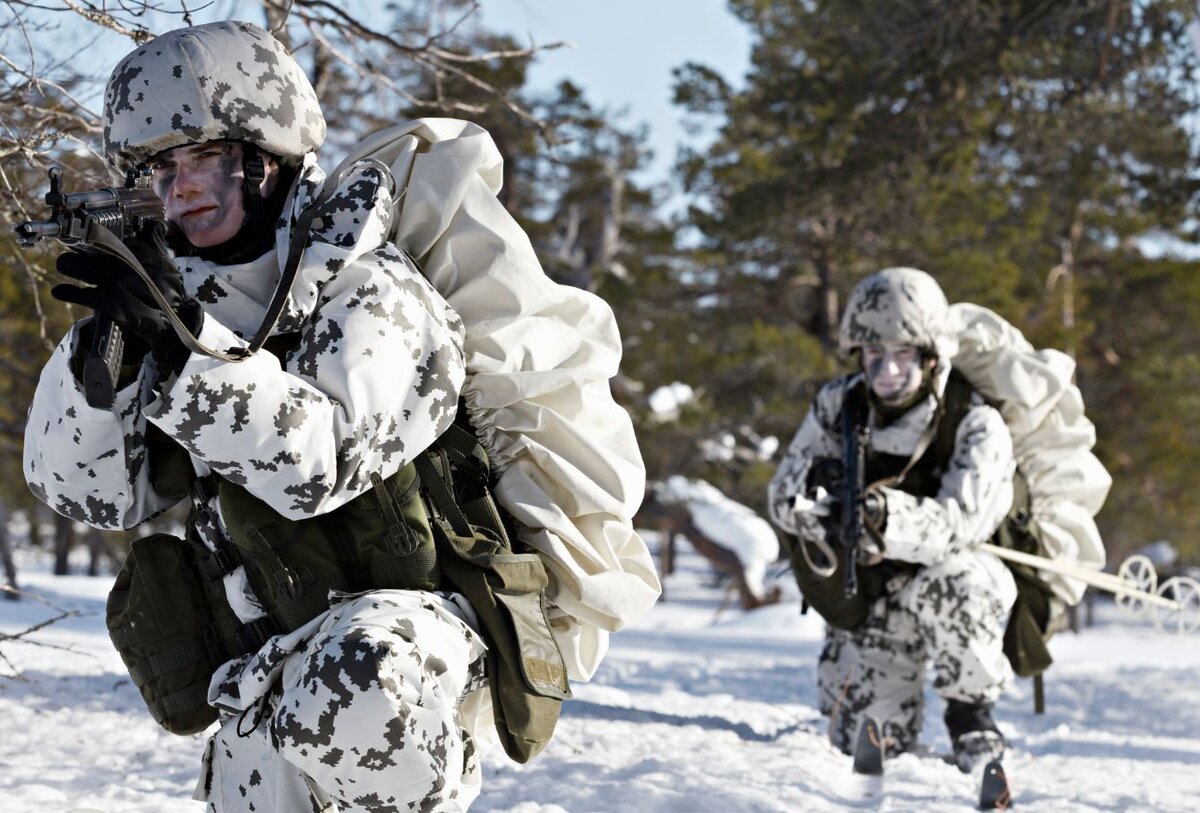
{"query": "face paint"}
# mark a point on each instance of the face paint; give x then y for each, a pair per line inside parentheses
(893, 371)
(201, 189)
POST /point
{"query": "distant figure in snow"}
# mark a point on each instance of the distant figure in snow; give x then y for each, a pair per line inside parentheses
(734, 538)
(925, 592)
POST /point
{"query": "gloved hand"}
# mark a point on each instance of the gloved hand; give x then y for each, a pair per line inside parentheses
(120, 294)
(812, 516)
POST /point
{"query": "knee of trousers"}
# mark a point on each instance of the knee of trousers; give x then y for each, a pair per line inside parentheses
(972, 591)
(372, 717)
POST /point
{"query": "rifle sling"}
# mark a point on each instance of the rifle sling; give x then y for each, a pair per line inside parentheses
(103, 239)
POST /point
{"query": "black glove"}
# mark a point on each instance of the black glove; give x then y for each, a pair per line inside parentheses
(120, 294)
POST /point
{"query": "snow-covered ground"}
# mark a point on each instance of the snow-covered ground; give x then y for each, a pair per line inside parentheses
(699, 707)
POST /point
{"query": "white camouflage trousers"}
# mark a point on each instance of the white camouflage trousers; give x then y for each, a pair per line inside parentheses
(357, 711)
(952, 614)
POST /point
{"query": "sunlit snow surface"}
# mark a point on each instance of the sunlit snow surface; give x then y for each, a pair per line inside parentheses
(699, 707)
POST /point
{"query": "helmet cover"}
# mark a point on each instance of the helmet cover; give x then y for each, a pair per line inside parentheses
(897, 306)
(220, 81)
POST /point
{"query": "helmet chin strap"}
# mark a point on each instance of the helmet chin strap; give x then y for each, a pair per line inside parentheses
(254, 172)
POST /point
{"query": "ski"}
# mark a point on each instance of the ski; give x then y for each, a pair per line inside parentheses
(994, 793)
(868, 748)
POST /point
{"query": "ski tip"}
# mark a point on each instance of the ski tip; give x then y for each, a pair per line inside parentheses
(994, 793)
(868, 748)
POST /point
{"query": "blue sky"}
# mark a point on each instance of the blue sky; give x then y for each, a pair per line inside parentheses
(624, 53)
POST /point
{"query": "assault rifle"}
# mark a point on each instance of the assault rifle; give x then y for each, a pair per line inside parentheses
(855, 440)
(97, 221)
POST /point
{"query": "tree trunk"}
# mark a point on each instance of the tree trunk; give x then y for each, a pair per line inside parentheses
(10, 567)
(64, 539)
(97, 545)
(827, 300)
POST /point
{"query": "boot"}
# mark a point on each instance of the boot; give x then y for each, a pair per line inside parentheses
(973, 734)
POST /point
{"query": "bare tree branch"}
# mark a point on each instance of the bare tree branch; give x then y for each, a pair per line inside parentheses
(23, 637)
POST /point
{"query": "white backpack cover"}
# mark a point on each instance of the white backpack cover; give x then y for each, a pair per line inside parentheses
(1052, 438)
(539, 358)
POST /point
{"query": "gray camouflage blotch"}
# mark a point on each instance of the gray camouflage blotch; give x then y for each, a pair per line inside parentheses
(952, 617)
(223, 80)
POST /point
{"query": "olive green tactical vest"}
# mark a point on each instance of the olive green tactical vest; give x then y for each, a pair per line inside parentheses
(432, 525)
(1025, 633)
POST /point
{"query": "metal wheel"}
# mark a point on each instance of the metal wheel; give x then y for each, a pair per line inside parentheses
(1185, 618)
(1138, 573)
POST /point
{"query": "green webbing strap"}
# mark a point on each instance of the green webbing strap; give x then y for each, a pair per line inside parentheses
(121, 638)
(440, 495)
(480, 512)
(956, 403)
(459, 440)
(185, 699)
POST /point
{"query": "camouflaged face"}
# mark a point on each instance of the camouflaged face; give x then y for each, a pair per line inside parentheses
(227, 80)
(896, 305)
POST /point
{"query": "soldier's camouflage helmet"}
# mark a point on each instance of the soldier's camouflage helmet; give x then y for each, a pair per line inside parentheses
(221, 81)
(900, 306)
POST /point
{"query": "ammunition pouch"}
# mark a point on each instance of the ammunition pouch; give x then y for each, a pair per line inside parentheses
(379, 540)
(172, 628)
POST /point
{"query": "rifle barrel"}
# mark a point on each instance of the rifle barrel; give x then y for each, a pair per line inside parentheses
(37, 229)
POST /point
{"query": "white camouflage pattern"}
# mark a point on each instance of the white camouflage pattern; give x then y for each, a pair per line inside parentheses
(954, 610)
(976, 488)
(951, 615)
(897, 306)
(363, 706)
(221, 81)
(372, 382)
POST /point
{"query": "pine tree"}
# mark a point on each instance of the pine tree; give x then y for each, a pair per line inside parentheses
(1002, 146)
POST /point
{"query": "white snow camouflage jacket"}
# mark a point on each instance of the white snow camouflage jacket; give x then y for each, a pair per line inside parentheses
(976, 488)
(375, 378)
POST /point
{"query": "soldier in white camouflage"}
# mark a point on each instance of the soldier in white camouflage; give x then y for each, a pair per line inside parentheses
(377, 703)
(938, 599)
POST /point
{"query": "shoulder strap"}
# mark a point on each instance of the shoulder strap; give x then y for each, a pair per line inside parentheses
(299, 241)
(956, 403)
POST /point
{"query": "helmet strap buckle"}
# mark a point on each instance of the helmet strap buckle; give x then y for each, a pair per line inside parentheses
(254, 171)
